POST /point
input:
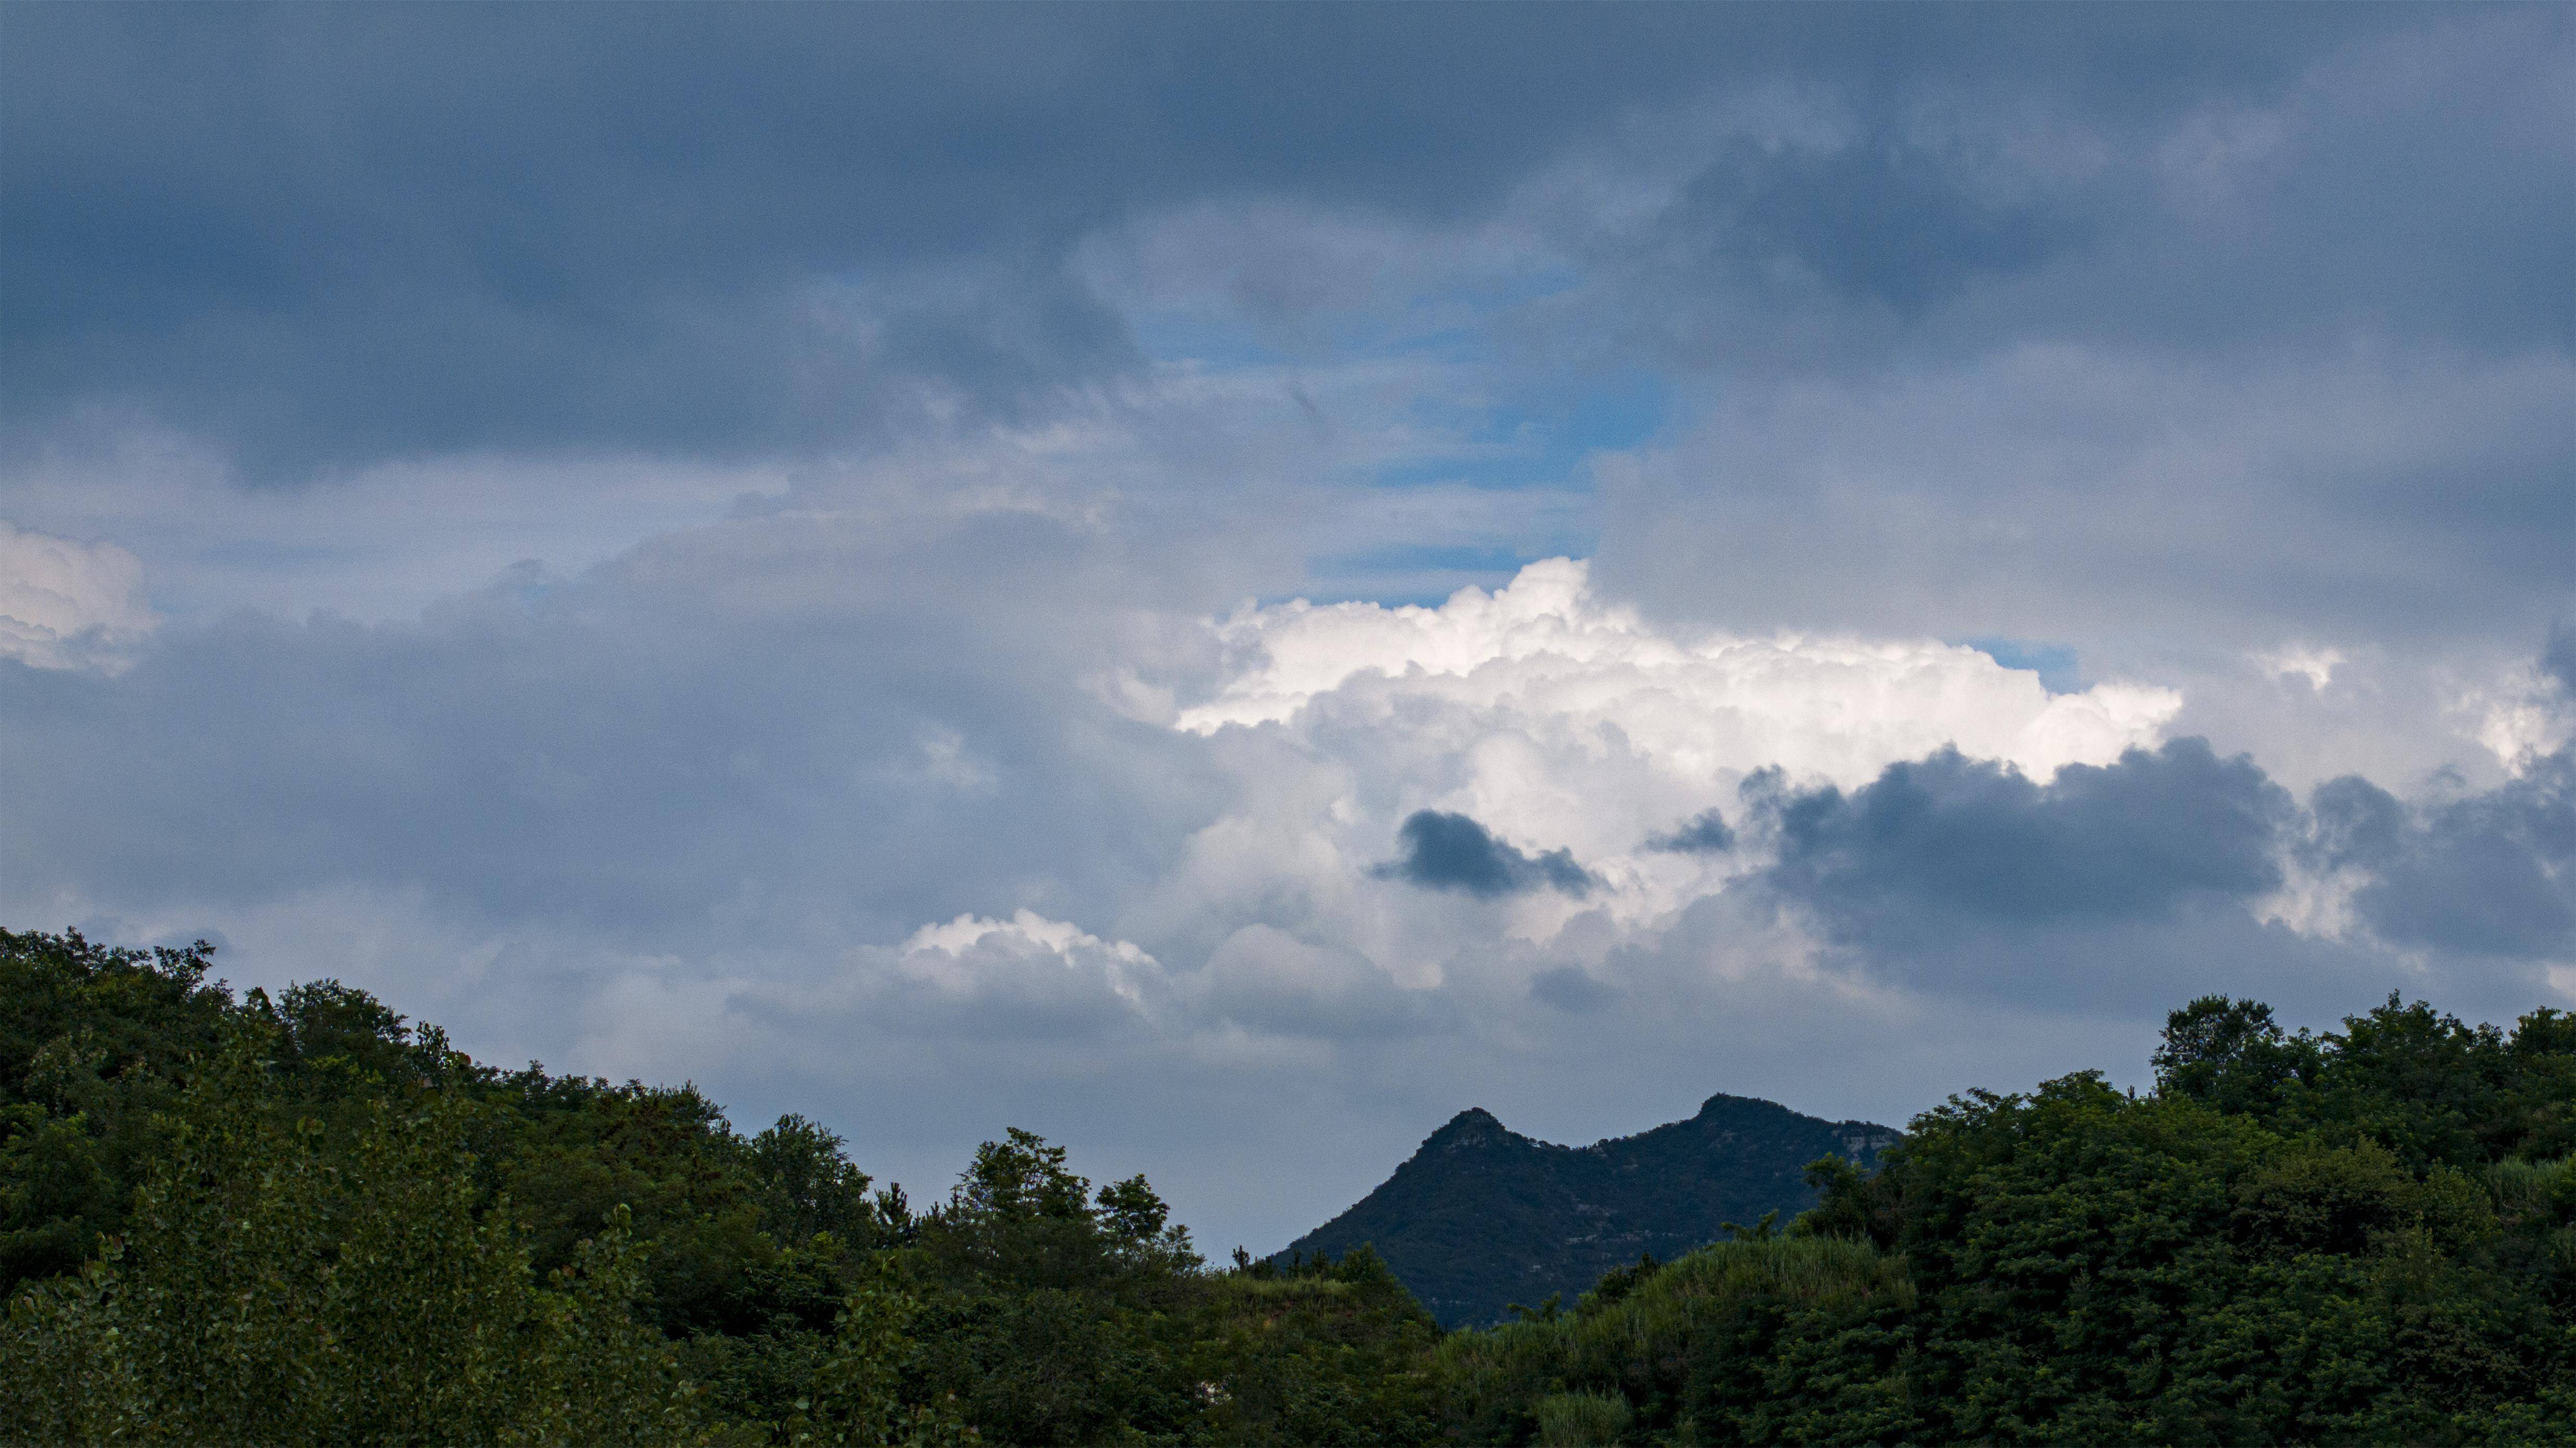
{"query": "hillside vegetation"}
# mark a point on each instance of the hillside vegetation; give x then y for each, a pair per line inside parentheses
(302, 1220)
(2366, 1237)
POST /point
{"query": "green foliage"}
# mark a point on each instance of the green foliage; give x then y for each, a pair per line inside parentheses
(1618, 1282)
(303, 1219)
(1761, 1231)
(1655, 1344)
(94, 1043)
(668, 1157)
(853, 1395)
(2428, 1087)
(306, 1220)
(2355, 1237)
(1331, 1354)
(807, 1188)
(1056, 1314)
(283, 1288)
(1569, 1420)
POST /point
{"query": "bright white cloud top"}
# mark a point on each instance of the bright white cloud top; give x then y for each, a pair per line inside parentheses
(1544, 656)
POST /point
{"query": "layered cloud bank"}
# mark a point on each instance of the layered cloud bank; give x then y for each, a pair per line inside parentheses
(1336, 858)
(1337, 826)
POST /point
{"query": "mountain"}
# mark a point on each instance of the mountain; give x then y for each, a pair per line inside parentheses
(1482, 1216)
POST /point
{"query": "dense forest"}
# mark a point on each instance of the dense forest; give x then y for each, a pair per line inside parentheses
(301, 1219)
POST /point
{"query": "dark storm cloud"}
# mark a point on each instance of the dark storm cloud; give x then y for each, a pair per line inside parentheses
(2120, 882)
(332, 235)
(2489, 874)
(1445, 851)
(1978, 839)
(1703, 834)
(2116, 886)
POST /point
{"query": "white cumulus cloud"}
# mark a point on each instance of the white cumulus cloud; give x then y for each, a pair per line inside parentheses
(65, 604)
(1557, 719)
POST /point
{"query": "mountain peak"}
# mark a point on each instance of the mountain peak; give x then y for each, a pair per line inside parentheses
(1722, 1104)
(1481, 1216)
(1474, 1126)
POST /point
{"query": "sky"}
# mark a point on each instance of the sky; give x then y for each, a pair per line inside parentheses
(1225, 583)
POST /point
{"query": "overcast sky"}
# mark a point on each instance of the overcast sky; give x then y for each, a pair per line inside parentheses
(1222, 583)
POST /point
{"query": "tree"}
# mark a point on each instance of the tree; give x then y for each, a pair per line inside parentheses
(2230, 1055)
(282, 1285)
(95, 1043)
(807, 1187)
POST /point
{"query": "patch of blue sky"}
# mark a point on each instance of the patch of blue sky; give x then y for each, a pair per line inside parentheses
(1482, 416)
(1456, 322)
(2054, 663)
(1536, 442)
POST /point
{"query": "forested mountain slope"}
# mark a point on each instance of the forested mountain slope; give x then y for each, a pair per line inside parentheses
(1481, 1216)
(2355, 1237)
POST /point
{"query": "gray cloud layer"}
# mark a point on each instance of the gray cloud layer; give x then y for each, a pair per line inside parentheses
(659, 752)
(329, 237)
(2223, 354)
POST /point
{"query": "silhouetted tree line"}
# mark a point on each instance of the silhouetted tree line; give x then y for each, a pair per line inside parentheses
(301, 1219)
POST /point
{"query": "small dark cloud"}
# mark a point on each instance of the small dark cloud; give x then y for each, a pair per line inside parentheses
(1705, 833)
(1445, 851)
(1570, 989)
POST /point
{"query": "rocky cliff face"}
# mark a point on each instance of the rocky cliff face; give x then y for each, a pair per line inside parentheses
(1481, 1216)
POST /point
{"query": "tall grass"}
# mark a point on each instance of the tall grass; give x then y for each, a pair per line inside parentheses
(2529, 1189)
(2542, 1192)
(1266, 1288)
(1581, 1420)
(1655, 1325)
